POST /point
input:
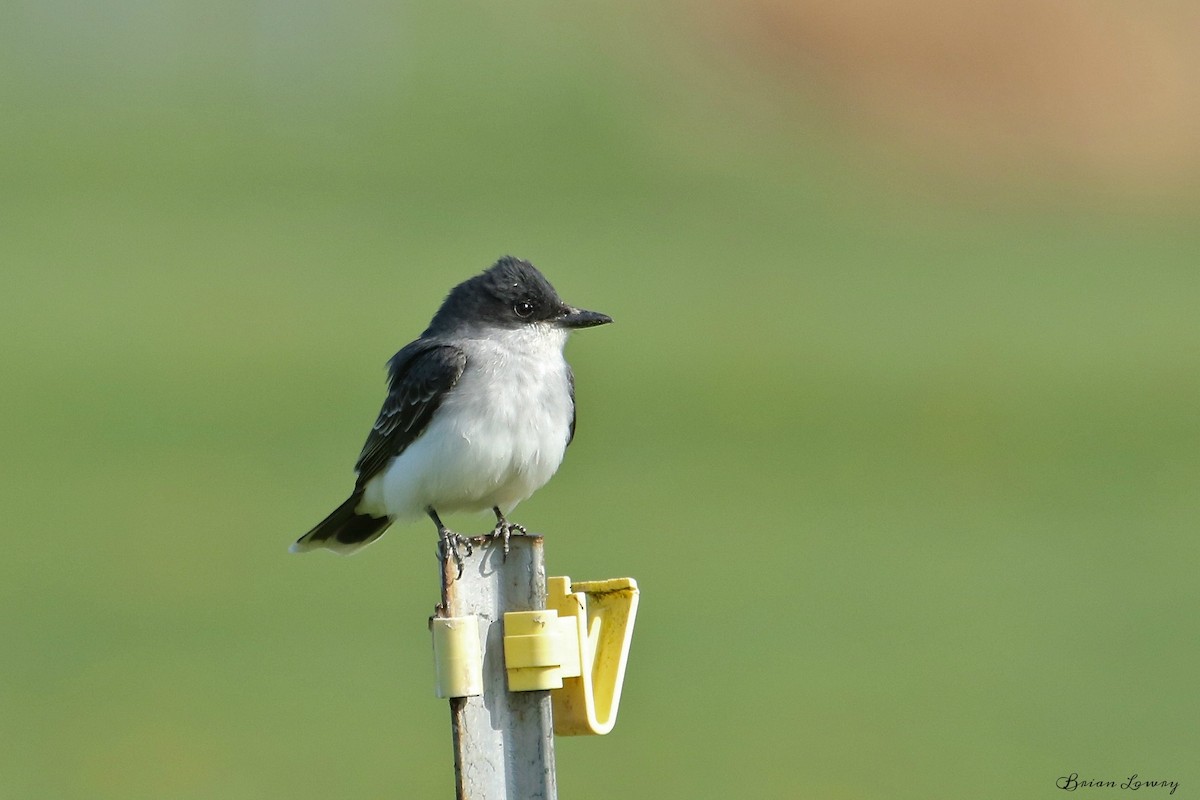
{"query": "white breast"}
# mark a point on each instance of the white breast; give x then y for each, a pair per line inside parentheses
(496, 439)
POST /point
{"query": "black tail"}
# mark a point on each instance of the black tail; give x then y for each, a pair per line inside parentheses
(343, 531)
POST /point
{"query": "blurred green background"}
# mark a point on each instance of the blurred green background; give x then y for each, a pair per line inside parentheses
(897, 428)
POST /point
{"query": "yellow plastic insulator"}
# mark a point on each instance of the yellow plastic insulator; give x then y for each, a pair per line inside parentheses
(533, 650)
(457, 656)
(600, 616)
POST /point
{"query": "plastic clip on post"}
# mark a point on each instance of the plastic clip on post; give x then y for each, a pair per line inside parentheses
(457, 656)
(577, 648)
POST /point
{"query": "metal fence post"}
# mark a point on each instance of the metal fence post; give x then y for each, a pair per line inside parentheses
(503, 741)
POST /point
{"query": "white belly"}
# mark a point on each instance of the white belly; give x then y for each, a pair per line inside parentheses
(497, 438)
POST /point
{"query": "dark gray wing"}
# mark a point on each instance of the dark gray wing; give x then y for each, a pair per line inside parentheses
(418, 378)
(571, 389)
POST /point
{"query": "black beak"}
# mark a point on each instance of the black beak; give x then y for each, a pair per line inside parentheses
(578, 318)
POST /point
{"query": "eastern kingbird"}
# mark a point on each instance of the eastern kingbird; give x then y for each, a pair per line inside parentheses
(478, 414)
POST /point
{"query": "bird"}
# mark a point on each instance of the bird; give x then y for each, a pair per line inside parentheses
(478, 414)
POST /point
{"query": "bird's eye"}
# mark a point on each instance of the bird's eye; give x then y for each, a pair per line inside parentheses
(523, 308)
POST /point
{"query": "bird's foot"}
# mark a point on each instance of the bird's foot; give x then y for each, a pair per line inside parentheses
(503, 531)
(450, 546)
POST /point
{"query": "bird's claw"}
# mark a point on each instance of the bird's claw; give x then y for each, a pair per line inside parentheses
(448, 547)
(504, 531)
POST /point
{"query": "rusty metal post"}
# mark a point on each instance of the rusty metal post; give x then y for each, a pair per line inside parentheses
(503, 741)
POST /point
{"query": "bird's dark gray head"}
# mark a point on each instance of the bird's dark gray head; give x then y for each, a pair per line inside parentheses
(510, 294)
